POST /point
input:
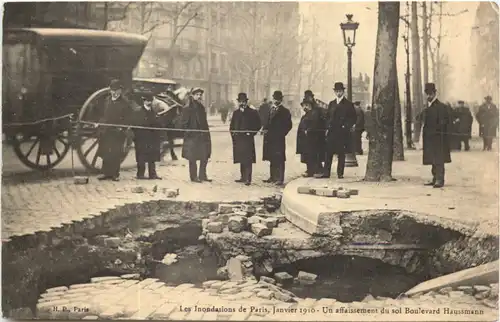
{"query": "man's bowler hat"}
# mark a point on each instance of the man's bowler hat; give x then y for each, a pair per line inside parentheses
(488, 98)
(197, 90)
(306, 101)
(430, 88)
(115, 84)
(242, 97)
(338, 86)
(278, 95)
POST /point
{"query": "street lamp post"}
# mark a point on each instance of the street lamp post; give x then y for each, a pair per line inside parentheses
(349, 32)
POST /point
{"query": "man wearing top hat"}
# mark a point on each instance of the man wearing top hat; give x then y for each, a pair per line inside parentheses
(117, 110)
(197, 145)
(245, 122)
(147, 142)
(487, 117)
(275, 132)
(437, 120)
(340, 123)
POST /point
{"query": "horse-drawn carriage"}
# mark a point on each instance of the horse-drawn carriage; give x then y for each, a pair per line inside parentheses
(54, 77)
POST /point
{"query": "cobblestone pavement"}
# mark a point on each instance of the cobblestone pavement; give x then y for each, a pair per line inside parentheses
(120, 298)
(35, 201)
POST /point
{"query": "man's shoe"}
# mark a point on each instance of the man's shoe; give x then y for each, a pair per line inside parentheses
(321, 176)
(431, 183)
(116, 179)
(248, 183)
(438, 185)
(196, 180)
(103, 177)
(307, 175)
(239, 180)
(268, 180)
(140, 177)
(340, 176)
(155, 177)
(206, 179)
(279, 183)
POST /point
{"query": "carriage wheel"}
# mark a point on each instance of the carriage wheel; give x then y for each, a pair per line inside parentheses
(41, 152)
(87, 139)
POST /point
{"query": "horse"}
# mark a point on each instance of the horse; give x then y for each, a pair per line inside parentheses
(170, 104)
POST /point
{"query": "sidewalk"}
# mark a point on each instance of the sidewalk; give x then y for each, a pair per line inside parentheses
(29, 206)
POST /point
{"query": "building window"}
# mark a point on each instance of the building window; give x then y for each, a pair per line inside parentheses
(214, 60)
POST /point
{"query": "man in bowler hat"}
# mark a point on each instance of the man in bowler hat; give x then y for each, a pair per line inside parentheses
(244, 119)
(275, 132)
(340, 123)
(197, 145)
(436, 136)
(487, 116)
(117, 110)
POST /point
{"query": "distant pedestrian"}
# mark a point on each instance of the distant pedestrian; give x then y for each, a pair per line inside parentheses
(464, 126)
(264, 110)
(435, 136)
(244, 119)
(197, 144)
(340, 123)
(310, 138)
(487, 117)
(358, 129)
(276, 130)
(117, 110)
(147, 142)
(224, 111)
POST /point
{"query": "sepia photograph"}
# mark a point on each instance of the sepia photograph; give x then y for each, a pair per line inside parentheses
(250, 161)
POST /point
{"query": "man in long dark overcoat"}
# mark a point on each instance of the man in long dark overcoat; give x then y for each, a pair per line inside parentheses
(340, 123)
(311, 137)
(245, 123)
(275, 132)
(436, 136)
(147, 142)
(264, 110)
(117, 110)
(465, 120)
(487, 116)
(358, 129)
(197, 145)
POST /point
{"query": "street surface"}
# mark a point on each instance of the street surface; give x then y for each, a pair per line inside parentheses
(34, 201)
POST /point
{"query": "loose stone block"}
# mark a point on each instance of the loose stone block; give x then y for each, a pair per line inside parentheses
(234, 269)
(230, 291)
(248, 208)
(237, 224)
(255, 220)
(260, 210)
(466, 289)
(266, 279)
(282, 297)
(217, 285)
(204, 223)
(260, 230)
(265, 294)
(281, 218)
(304, 190)
(171, 193)
(283, 277)
(445, 290)
(103, 278)
(112, 242)
(213, 218)
(494, 291)
(57, 289)
(481, 288)
(353, 192)
(207, 284)
(225, 208)
(482, 295)
(325, 192)
(343, 194)
(224, 218)
(80, 180)
(137, 189)
(215, 227)
(270, 222)
(305, 276)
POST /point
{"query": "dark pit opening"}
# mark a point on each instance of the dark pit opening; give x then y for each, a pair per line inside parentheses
(348, 278)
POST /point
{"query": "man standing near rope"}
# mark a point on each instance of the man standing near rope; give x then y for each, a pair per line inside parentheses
(197, 142)
(112, 139)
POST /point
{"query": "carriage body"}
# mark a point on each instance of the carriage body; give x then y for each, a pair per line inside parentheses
(49, 73)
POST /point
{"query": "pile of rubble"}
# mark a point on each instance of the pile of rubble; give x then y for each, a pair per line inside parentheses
(238, 218)
(165, 191)
(326, 191)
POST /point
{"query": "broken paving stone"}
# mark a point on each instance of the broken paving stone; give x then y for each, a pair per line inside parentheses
(248, 209)
(204, 223)
(224, 218)
(112, 242)
(305, 276)
(80, 180)
(229, 291)
(343, 194)
(494, 290)
(202, 238)
(353, 192)
(225, 208)
(243, 258)
(466, 289)
(213, 218)
(325, 192)
(267, 279)
(265, 294)
(270, 222)
(215, 227)
(445, 290)
(481, 288)
(282, 297)
(260, 230)
(223, 273)
(482, 295)
(237, 224)
(304, 190)
(209, 283)
(234, 269)
(213, 213)
(283, 277)
(260, 210)
(255, 220)
(138, 189)
(130, 276)
(171, 193)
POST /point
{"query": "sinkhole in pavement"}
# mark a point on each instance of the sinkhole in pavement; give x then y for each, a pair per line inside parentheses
(136, 241)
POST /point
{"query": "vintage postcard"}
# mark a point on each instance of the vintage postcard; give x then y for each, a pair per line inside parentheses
(274, 161)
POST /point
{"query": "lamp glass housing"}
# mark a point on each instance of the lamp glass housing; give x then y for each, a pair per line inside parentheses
(349, 31)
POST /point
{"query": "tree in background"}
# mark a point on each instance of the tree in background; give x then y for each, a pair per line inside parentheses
(379, 164)
(417, 92)
(398, 147)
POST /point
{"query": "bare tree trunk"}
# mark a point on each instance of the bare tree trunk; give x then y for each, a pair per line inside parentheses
(438, 59)
(416, 74)
(379, 164)
(398, 147)
(425, 42)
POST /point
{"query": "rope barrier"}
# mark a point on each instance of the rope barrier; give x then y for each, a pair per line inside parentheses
(39, 121)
